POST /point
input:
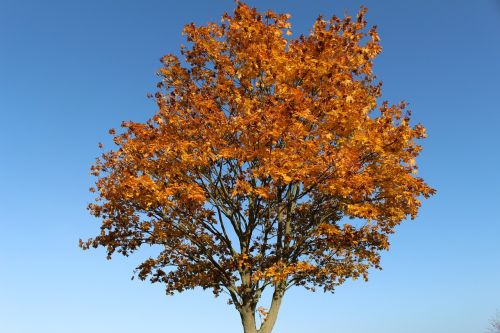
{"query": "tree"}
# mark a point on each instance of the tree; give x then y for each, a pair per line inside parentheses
(269, 163)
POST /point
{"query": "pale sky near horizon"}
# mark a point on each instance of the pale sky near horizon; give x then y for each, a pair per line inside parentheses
(70, 70)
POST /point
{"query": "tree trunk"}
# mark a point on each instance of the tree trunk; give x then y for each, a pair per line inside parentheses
(247, 314)
(272, 315)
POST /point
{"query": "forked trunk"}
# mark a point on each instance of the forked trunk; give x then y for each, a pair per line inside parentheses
(247, 314)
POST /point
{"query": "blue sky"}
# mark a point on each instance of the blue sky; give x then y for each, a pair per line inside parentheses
(70, 70)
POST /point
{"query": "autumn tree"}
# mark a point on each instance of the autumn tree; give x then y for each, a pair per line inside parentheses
(270, 163)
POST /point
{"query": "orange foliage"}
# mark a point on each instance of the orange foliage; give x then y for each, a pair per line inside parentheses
(261, 146)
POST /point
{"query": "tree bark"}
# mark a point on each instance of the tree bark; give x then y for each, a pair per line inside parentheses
(247, 313)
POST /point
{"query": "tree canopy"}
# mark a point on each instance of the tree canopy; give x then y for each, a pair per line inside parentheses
(270, 162)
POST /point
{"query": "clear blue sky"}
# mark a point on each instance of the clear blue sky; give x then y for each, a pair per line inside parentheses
(70, 70)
